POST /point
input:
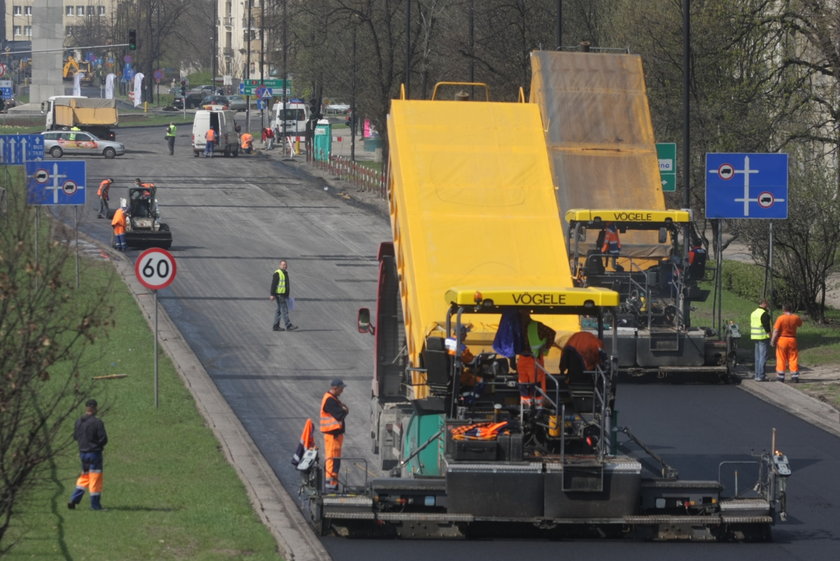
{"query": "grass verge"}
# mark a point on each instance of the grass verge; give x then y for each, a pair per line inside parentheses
(169, 492)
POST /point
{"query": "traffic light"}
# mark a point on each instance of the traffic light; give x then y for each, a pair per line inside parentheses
(132, 40)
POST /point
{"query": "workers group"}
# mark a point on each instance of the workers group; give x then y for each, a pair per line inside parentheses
(782, 337)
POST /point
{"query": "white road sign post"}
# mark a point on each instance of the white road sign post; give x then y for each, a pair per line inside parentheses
(155, 269)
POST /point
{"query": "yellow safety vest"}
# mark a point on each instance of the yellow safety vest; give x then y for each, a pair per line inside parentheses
(757, 332)
(536, 342)
(281, 283)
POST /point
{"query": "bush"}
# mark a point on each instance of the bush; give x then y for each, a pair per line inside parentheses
(747, 281)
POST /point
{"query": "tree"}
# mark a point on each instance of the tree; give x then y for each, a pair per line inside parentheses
(44, 331)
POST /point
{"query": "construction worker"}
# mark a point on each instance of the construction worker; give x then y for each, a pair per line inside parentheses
(247, 140)
(612, 244)
(696, 261)
(148, 187)
(787, 349)
(73, 130)
(760, 335)
(171, 130)
(104, 196)
(89, 433)
(333, 413)
(118, 223)
(209, 142)
(583, 352)
(538, 339)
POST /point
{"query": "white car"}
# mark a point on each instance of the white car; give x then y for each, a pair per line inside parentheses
(57, 143)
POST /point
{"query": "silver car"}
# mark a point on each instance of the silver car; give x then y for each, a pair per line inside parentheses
(57, 143)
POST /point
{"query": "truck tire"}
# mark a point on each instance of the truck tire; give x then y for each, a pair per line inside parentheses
(109, 153)
(56, 152)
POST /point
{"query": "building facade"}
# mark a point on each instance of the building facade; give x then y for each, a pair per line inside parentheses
(78, 14)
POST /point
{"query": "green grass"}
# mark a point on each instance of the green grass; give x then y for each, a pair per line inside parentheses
(818, 344)
(169, 491)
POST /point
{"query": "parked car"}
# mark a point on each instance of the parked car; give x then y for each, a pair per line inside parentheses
(238, 103)
(58, 143)
(193, 100)
(215, 103)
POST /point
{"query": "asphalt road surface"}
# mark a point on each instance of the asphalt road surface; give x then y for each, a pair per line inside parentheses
(232, 219)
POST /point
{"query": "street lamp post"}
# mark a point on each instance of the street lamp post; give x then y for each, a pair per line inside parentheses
(248, 71)
(353, 103)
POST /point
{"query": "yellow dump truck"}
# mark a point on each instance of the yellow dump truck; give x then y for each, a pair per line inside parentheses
(476, 254)
(95, 115)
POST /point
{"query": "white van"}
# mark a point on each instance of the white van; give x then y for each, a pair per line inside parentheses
(227, 139)
(296, 115)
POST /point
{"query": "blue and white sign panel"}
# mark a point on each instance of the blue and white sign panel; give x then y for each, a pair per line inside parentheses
(747, 186)
(56, 183)
(17, 149)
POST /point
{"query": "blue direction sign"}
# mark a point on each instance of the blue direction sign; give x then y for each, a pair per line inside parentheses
(16, 149)
(56, 183)
(746, 186)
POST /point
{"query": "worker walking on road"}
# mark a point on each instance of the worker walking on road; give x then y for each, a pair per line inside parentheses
(89, 433)
(118, 224)
(104, 194)
(170, 137)
(209, 142)
(280, 292)
(760, 335)
(333, 413)
(784, 339)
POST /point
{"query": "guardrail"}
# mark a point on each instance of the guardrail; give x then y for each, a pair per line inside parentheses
(364, 177)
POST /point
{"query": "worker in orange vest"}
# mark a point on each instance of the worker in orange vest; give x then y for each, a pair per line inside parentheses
(209, 142)
(118, 224)
(787, 349)
(333, 413)
(582, 352)
(247, 142)
(104, 196)
(612, 244)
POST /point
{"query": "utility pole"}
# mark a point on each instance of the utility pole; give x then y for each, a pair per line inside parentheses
(215, 43)
(148, 51)
(407, 78)
(262, 63)
(248, 70)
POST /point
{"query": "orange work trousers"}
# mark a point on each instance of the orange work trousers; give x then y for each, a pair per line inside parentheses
(529, 375)
(332, 443)
(787, 355)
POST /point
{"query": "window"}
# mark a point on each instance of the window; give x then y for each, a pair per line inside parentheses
(101, 10)
(80, 11)
(91, 10)
(17, 30)
(69, 11)
(17, 10)
(27, 30)
(27, 10)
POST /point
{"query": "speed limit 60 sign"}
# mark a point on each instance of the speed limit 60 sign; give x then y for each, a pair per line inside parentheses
(155, 268)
